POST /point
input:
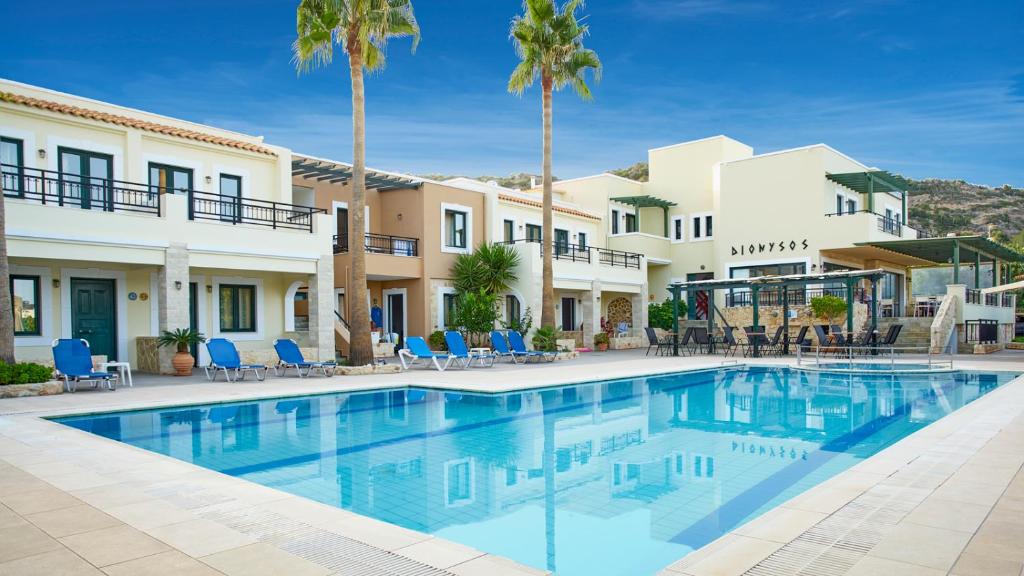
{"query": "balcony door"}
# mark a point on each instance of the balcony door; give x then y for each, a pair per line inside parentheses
(169, 179)
(394, 317)
(568, 313)
(85, 178)
(561, 242)
(341, 214)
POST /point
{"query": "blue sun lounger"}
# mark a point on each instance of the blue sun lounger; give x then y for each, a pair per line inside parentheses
(515, 340)
(289, 356)
(73, 361)
(416, 350)
(501, 349)
(224, 357)
(458, 349)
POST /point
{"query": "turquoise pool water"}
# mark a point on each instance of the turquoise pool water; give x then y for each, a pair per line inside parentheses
(611, 478)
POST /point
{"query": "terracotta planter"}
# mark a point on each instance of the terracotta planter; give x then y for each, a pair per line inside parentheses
(602, 347)
(183, 363)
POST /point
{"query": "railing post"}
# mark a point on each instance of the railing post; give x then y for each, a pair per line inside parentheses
(191, 204)
(273, 215)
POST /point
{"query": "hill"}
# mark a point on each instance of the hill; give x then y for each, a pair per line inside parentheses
(519, 181)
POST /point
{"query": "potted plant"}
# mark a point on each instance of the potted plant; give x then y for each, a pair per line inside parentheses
(601, 341)
(182, 339)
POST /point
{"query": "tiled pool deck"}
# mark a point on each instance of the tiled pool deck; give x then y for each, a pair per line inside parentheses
(948, 499)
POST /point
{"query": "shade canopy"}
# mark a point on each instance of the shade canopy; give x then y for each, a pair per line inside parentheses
(776, 281)
(942, 250)
(870, 182)
(645, 201)
(337, 172)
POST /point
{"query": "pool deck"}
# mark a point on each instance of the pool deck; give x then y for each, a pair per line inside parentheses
(948, 499)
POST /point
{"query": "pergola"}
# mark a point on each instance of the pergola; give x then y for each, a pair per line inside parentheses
(646, 201)
(873, 182)
(337, 172)
(955, 250)
(848, 277)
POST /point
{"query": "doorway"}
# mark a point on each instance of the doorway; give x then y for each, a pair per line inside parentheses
(193, 318)
(85, 178)
(698, 302)
(568, 313)
(94, 314)
(394, 313)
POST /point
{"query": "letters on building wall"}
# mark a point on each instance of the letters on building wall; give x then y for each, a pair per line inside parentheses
(761, 248)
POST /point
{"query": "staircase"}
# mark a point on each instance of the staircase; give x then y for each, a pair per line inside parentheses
(916, 332)
(342, 336)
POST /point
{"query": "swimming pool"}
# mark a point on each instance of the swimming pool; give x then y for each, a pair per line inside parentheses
(607, 478)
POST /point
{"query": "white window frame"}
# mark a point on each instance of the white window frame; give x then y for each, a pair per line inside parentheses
(501, 232)
(504, 305)
(614, 223)
(445, 207)
(439, 325)
(472, 482)
(386, 312)
(847, 197)
(45, 305)
(682, 228)
(704, 237)
(216, 281)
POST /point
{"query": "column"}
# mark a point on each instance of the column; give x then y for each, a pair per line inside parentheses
(977, 271)
(321, 308)
(956, 261)
(591, 313)
(172, 298)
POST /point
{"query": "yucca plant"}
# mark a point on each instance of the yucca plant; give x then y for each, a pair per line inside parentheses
(181, 338)
(490, 268)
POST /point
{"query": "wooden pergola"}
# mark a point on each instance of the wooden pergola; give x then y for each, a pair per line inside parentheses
(848, 277)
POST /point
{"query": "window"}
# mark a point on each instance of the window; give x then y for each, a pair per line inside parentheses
(237, 308)
(534, 233)
(678, 228)
(509, 228)
(513, 311)
(561, 242)
(459, 481)
(449, 301)
(851, 206)
(25, 300)
(839, 204)
(630, 223)
(455, 229)
(169, 179)
(582, 240)
(85, 178)
(12, 158)
(231, 197)
(702, 227)
(615, 221)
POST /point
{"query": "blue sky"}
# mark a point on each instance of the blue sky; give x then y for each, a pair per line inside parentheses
(928, 89)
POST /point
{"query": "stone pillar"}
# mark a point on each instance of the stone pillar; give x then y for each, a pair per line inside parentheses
(639, 302)
(172, 295)
(591, 313)
(321, 308)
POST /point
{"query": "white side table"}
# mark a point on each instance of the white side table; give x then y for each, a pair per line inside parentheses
(124, 371)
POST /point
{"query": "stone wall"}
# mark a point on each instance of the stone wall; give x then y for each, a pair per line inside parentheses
(147, 355)
(771, 318)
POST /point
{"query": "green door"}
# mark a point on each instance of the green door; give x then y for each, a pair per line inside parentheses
(85, 178)
(93, 314)
(193, 317)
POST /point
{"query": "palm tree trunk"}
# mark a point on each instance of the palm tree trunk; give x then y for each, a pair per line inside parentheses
(547, 310)
(6, 311)
(360, 348)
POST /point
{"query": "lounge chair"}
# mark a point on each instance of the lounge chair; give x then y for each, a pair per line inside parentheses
(890, 337)
(501, 349)
(824, 343)
(224, 357)
(73, 361)
(416, 349)
(289, 356)
(801, 338)
(515, 340)
(458, 349)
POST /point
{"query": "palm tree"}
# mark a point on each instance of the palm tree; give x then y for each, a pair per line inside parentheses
(361, 28)
(549, 43)
(6, 306)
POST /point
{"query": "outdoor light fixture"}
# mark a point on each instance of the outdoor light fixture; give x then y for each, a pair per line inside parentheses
(177, 284)
(56, 283)
(209, 179)
(209, 289)
(42, 152)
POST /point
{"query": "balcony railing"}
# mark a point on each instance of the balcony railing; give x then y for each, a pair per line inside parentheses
(796, 297)
(235, 210)
(60, 189)
(885, 224)
(381, 244)
(577, 253)
(973, 296)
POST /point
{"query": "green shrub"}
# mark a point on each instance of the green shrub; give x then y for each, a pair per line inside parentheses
(436, 341)
(828, 307)
(660, 315)
(600, 338)
(522, 324)
(24, 373)
(545, 339)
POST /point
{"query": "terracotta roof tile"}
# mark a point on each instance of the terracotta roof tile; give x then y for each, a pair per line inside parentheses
(128, 122)
(537, 204)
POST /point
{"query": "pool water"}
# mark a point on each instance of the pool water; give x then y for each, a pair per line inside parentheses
(880, 366)
(610, 478)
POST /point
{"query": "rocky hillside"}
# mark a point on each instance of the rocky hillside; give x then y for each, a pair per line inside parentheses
(518, 181)
(937, 207)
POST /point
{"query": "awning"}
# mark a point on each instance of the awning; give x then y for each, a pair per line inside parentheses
(941, 250)
(865, 253)
(337, 172)
(1004, 288)
(775, 281)
(645, 201)
(871, 182)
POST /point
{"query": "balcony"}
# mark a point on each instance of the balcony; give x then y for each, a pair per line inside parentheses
(381, 244)
(861, 225)
(656, 248)
(585, 254)
(795, 296)
(51, 188)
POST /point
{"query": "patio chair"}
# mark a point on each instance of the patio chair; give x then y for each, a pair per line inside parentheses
(73, 361)
(224, 357)
(824, 343)
(891, 336)
(416, 349)
(800, 339)
(500, 347)
(458, 349)
(729, 341)
(756, 340)
(653, 341)
(684, 342)
(701, 341)
(289, 356)
(839, 339)
(515, 340)
(775, 344)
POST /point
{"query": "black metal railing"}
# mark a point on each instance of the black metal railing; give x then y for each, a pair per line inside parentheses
(577, 253)
(796, 297)
(1007, 300)
(62, 189)
(991, 299)
(235, 210)
(981, 331)
(381, 244)
(890, 226)
(973, 296)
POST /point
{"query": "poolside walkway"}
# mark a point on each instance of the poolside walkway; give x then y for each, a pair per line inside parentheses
(947, 499)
